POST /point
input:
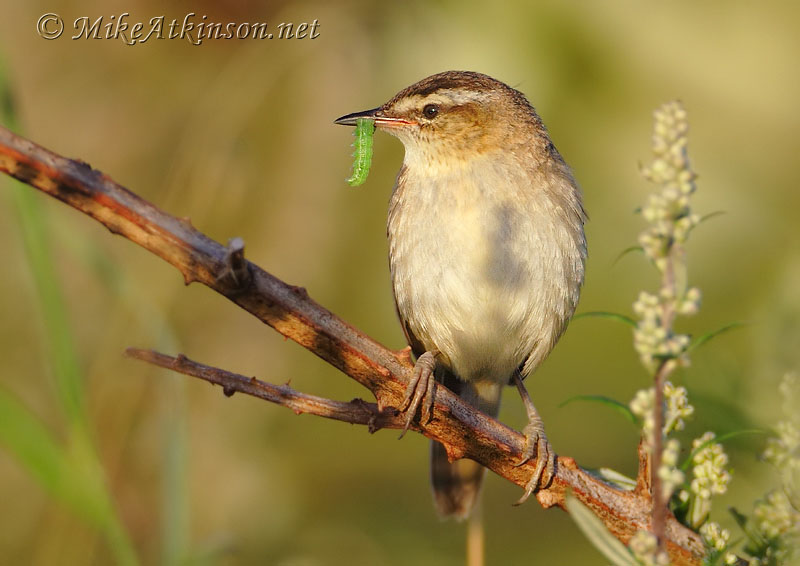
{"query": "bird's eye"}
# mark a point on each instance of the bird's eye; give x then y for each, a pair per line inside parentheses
(430, 111)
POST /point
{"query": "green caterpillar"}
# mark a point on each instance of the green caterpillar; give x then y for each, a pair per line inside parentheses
(365, 127)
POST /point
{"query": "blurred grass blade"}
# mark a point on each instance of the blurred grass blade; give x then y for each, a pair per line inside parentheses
(609, 315)
(73, 477)
(594, 530)
(33, 228)
(175, 516)
(713, 334)
(72, 473)
(61, 354)
(8, 110)
(603, 400)
(175, 510)
(24, 436)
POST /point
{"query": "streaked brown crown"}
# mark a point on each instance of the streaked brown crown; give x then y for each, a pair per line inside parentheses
(467, 80)
(475, 113)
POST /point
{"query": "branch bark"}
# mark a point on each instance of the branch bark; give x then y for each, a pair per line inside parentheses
(464, 431)
(356, 411)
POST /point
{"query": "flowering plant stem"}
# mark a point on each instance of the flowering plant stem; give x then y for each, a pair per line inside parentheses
(659, 514)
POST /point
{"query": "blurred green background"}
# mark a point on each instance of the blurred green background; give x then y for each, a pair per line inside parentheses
(238, 136)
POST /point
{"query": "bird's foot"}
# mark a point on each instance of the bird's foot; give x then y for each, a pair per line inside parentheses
(536, 445)
(420, 387)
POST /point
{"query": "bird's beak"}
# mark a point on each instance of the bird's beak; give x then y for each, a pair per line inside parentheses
(376, 114)
(350, 119)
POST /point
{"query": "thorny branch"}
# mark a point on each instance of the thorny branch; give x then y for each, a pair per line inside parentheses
(356, 411)
(464, 431)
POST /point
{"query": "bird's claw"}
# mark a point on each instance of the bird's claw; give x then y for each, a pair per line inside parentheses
(536, 444)
(420, 387)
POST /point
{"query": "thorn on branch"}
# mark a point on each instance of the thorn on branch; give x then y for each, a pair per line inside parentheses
(453, 453)
(236, 267)
(373, 425)
(643, 477)
(404, 355)
(300, 292)
(83, 164)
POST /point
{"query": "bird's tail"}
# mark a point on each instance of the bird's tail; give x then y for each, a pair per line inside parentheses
(456, 485)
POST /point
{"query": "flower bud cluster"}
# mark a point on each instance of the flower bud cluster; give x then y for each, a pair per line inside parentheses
(669, 221)
(667, 211)
(710, 477)
(710, 474)
(644, 547)
(677, 409)
(642, 406)
(717, 540)
(671, 476)
(715, 536)
(783, 451)
(650, 338)
(775, 516)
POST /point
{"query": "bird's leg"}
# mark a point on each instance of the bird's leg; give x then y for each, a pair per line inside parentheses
(421, 386)
(536, 443)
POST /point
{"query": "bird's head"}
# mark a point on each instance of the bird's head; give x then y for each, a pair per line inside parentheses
(456, 115)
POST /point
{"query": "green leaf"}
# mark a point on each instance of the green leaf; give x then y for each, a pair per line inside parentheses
(756, 539)
(718, 439)
(603, 400)
(626, 251)
(710, 215)
(609, 315)
(614, 478)
(8, 111)
(594, 530)
(739, 518)
(713, 334)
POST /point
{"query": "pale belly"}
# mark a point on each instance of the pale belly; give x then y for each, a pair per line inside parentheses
(478, 286)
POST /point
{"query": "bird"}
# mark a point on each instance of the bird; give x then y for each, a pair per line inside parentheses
(487, 253)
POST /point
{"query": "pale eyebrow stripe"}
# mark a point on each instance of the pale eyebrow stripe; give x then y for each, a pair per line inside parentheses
(459, 96)
(445, 96)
